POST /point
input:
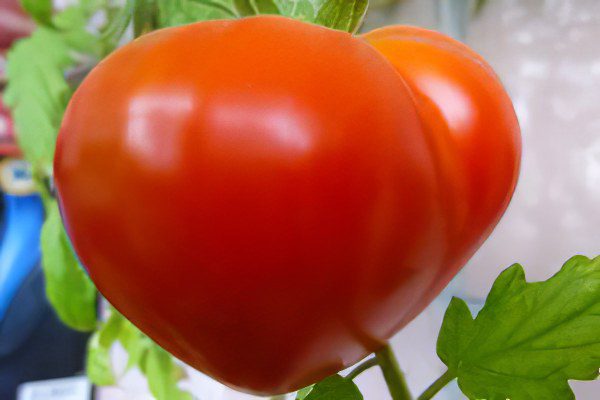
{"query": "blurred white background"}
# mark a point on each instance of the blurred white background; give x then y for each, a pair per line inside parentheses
(547, 52)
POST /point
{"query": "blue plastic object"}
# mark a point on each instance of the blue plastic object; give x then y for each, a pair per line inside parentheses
(23, 217)
(34, 344)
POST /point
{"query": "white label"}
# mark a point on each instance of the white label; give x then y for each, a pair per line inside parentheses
(15, 177)
(78, 388)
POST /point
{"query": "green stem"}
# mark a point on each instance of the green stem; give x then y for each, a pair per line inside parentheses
(362, 368)
(42, 183)
(117, 27)
(145, 17)
(438, 385)
(229, 10)
(393, 374)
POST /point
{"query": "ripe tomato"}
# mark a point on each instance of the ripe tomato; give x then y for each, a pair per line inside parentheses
(472, 131)
(271, 200)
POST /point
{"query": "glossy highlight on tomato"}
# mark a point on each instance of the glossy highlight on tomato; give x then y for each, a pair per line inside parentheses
(272, 200)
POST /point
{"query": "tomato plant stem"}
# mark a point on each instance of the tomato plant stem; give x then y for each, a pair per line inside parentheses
(145, 17)
(436, 386)
(117, 27)
(393, 374)
(362, 367)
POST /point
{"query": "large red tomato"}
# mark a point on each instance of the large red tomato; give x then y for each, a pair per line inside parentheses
(271, 200)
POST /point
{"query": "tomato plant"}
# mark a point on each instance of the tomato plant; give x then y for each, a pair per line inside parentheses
(283, 182)
(271, 199)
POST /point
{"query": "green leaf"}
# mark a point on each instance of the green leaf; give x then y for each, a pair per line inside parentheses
(303, 10)
(456, 331)
(38, 93)
(163, 375)
(70, 291)
(72, 18)
(98, 367)
(244, 7)
(160, 368)
(182, 12)
(302, 393)
(530, 338)
(118, 328)
(334, 387)
(40, 10)
(111, 329)
(135, 343)
(343, 15)
(255, 7)
(72, 24)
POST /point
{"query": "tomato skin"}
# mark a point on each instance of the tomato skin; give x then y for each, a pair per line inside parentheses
(259, 196)
(472, 129)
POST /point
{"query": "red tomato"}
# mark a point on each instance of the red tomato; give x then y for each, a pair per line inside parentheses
(270, 200)
(14, 23)
(471, 128)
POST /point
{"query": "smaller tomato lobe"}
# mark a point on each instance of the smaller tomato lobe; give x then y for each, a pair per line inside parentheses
(472, 131)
